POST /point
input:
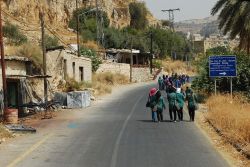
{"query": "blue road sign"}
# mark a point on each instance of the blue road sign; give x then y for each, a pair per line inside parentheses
(222, 66)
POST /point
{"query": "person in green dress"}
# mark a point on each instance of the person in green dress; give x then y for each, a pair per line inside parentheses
(171, 102)
(180, 102)
(192, 103)
(160, 106)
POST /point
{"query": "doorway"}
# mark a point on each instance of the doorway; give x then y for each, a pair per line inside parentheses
(12, 93)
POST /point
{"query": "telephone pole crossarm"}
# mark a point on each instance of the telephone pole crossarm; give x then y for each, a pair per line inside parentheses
(171, 16)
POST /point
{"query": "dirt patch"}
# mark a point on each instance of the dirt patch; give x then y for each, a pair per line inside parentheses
(229, 152)
(4, 134)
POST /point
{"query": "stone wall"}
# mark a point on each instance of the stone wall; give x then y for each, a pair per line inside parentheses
(121, 68)
(139, 74)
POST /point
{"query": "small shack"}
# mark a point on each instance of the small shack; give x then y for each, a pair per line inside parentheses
(17, 70)
(124, 56)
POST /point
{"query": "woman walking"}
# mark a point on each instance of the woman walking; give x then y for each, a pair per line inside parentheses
(152, 104)
(171, 102)
(160, 106)
(192, 105)
(180, 102)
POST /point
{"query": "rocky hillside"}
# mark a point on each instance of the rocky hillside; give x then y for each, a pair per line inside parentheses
(25, 14)
(194, 26)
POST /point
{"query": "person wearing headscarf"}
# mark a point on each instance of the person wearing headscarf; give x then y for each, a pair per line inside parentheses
(192, 103)
(180, 99)
(171, 102)
(160, 105)
(152, 103)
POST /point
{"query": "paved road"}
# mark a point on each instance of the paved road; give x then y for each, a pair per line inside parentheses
(117, 132)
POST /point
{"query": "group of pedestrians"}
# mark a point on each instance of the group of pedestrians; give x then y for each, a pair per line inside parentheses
(174, 80)
(176, 99)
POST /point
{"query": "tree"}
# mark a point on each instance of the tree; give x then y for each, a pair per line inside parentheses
(87, 22)
(51, 41)
(138, 13)
(234, 18)
(95, 60)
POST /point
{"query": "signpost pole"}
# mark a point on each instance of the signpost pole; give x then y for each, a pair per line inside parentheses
(215, 86)
(231, 87)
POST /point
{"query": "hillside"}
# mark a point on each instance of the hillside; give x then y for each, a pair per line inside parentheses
(195, 25)
(25, 14)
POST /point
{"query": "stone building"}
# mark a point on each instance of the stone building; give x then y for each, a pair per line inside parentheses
(118, 61)
(63, 64)
(201, 46)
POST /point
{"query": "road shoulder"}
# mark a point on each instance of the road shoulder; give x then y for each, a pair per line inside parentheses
(233, 157)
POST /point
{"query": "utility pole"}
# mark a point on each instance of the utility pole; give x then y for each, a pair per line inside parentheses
(97, 22)
(77, 29)
(131, 60)
(41, 13)
(151, 52)
(171, 20)
(171, 16)
(5, 101)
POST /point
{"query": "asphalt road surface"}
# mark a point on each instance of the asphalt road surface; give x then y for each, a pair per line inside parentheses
(116, 132)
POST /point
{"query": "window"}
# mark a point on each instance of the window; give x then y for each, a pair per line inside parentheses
(81, 74)
(74, 69)
(65, 68)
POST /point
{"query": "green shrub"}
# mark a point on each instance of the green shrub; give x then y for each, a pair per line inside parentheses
(96, 61)
(157, 64)
(88, 20)
(13, 34)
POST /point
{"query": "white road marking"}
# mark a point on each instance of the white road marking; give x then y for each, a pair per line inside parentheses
(118, 140)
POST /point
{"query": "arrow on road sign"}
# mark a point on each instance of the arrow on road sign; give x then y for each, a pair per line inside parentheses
(223, 73)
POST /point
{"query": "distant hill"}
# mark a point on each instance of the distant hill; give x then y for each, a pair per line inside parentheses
(196, 25)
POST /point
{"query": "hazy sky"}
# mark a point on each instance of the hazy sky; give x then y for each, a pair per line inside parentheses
(190, 9)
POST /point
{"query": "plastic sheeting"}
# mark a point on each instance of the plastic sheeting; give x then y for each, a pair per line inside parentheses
(78, 99)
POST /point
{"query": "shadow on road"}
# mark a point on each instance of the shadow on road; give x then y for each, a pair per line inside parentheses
(150, 121)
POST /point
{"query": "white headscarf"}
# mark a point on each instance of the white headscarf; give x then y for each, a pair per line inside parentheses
(178, 90)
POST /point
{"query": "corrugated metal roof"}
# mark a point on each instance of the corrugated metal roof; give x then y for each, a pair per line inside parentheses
(16, 58)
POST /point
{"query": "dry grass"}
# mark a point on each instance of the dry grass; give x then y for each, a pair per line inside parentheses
(33, 52)
(103, 82)
(11, 50)
(177, 67)
(91, 45)
(4, 133)
(232, 117)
